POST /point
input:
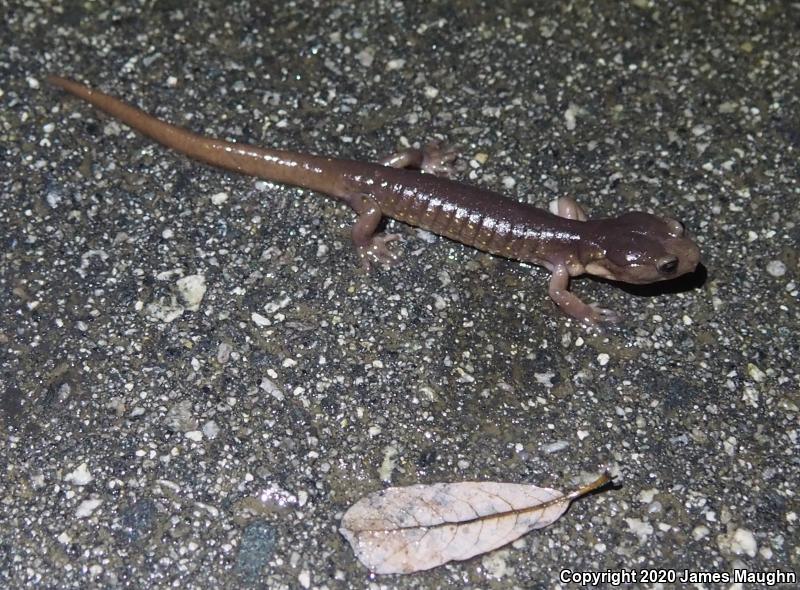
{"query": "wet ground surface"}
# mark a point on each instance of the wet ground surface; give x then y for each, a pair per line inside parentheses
(198, 378)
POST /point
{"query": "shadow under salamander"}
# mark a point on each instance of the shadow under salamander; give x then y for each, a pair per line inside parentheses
(687, 282)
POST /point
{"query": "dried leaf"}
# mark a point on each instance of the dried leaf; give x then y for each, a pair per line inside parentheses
(408, 529)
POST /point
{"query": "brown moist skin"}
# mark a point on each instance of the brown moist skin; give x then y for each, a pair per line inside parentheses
(636, 247)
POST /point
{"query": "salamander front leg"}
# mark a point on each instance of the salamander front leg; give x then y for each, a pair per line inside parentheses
(434, 159)
(567, 207)
(572, 305)
(370, 247)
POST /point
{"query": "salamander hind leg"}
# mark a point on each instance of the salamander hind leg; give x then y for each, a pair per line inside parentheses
(370, 246)
(589, 314)
(567, 207)
(434, 159)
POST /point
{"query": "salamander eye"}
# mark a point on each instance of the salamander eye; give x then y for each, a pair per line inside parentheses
(667, 265)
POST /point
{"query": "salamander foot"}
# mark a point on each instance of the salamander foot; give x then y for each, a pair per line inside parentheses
(601, 315)
(437, 159)
(377, 251)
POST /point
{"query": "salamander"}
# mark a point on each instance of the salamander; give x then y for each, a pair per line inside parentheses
(415, 187)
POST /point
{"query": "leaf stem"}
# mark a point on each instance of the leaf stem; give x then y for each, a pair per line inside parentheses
(590, 487)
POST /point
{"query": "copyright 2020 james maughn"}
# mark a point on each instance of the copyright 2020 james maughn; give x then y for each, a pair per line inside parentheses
(588, 579)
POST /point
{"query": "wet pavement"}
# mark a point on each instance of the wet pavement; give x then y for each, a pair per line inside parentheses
(198, 378)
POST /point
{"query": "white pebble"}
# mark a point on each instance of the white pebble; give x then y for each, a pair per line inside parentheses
(210, 430)
(570, 117)
(639, 528)
(395, 64)
(259, 319)
(192, 289)
(79, 477)
(219, 198)
(366, 56)
(508, 182)
(555, 447)
(272, 389)
(165, 312)
(755, 373)
(743, 541)
(86, 508)
(776, 268)
(224, 352)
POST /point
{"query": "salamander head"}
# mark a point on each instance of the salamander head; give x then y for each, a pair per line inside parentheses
(641, 248)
